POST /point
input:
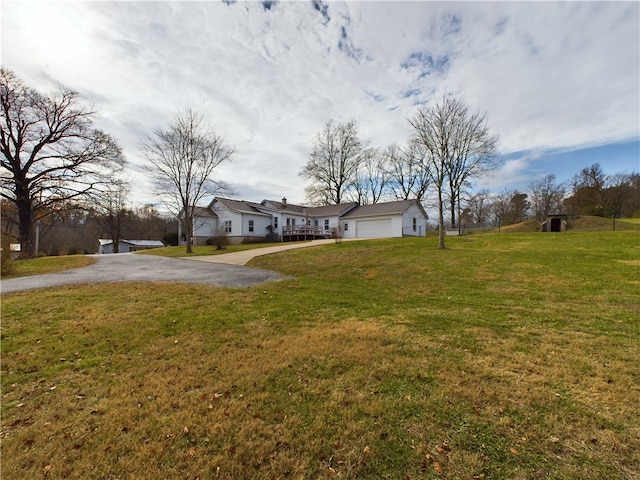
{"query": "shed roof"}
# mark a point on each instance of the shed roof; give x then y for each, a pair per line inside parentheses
(137, 243)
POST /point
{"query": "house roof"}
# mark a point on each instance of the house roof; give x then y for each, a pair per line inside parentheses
(279, 206)
(343, 210)
(203, 211)
(331, 210)
(388, 208)
(239, 206)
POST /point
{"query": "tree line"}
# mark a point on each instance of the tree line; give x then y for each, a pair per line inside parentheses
(589, 192)
(75, 228)
(449, 147)
(61, 174)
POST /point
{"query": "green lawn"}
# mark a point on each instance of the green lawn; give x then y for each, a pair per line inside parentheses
(506, 356)
(38, 266)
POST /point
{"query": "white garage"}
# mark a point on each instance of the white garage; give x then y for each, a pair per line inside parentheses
(383, 220)
(374, 228)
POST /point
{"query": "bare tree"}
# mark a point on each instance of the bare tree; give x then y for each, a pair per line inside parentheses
(51, 153)
(509, 207)
(546, 196)
(182, 162)
(334, 162)
(478, 206)
(373, 177)
(471, 155)
(619, 190)
(112, 211)
(410, 175)
(456, 146)
(587, 194)
(631, 205)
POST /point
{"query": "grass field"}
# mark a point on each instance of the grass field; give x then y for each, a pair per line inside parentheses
(38, 266)
(510, 356)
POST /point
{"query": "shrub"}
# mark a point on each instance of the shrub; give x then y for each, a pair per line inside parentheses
(220, 239)
(6, 262)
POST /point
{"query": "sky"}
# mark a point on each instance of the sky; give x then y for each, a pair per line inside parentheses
(559, 81)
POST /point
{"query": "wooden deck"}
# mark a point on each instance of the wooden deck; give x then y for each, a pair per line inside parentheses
(292, 233)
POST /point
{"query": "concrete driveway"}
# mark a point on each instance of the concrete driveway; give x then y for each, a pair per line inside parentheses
(129, 267)
(241, 258)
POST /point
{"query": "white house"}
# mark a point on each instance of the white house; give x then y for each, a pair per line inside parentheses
(125, 246)
(245, 222)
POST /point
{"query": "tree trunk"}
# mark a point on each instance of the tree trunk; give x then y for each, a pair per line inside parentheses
(116, 234)
(452, 203)
(441, 229)
(189, 233)
(25, 225)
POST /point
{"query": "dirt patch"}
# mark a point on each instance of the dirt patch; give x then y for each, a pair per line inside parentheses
(635, 263)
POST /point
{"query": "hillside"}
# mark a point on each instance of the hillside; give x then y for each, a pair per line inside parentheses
(581, 224)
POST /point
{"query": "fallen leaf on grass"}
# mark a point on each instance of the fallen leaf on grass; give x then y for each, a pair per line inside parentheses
(46, 469)
(438, 468)
(514, 451)
(366, 450)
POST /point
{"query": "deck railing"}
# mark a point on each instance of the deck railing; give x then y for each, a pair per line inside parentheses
(312, 230)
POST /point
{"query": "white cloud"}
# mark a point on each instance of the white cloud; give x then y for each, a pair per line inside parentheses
(549, 75)
(514, 171)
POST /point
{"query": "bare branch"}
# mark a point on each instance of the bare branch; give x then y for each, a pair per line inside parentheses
(50, 151)
(182, 161)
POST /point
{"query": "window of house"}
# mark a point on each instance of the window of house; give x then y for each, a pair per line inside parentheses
(275, 222)
(326, 224)
(288, 222)
(293, 222)
(346, 227)
(227, 226)
(251, 225)
(315, 222)
(415, 223)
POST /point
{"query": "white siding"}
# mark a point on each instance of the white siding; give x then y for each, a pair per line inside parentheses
(204, 227)
(260, 225)
(407, 222)
(224, 214)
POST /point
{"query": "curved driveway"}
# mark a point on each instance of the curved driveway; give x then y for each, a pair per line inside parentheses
(224, 270)
(129, 267)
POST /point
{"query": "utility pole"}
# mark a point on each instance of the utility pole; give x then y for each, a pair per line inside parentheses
(37, 249)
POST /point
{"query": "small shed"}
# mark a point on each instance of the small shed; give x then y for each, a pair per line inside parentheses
(125, 246)
(554, 223)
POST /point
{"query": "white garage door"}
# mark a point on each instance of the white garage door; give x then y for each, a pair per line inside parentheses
(373, 228)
